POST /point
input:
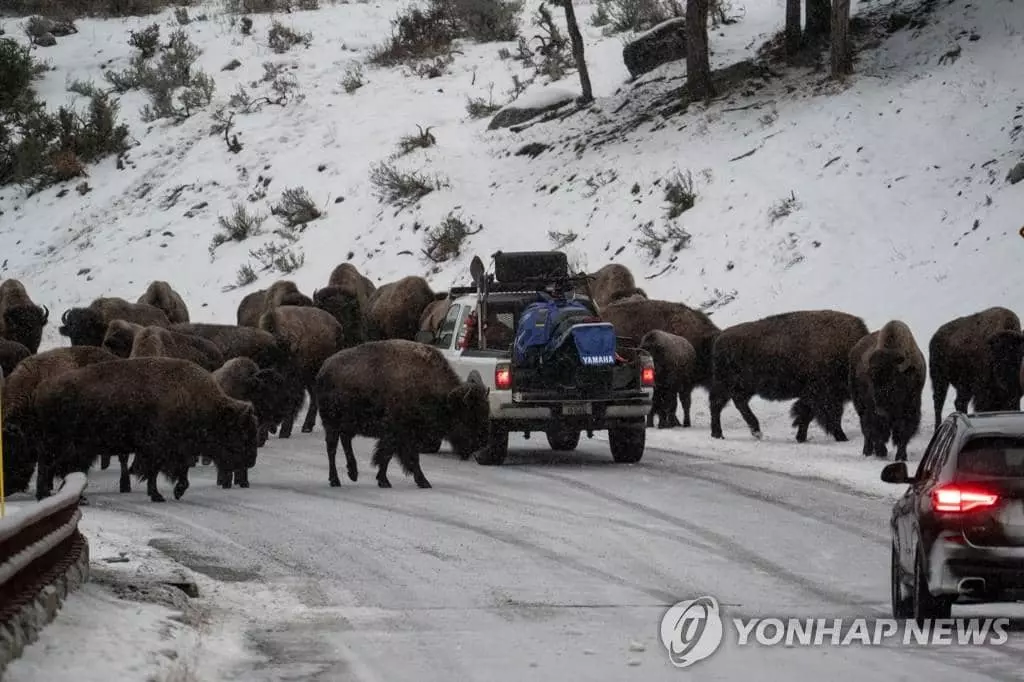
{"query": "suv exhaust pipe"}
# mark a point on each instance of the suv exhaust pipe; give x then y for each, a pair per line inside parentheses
(970, 586)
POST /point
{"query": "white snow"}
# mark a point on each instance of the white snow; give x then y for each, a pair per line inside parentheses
(898, 205)
(10, 508)
(541, 98)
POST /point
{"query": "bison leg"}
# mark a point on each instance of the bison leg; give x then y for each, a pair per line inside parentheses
(829, 413)
(310, 422)
(331, 436)
(242, 478)
(716, 403)
(685, 396)
(381, 459)
(262, 435)
(963, 400)
(152, 472)
(126, 478)
(104, 462)
(181, 483)
(224, 478)
(940, 387)
(350, 457)
(802, 414)
(409, 458)
(742, 404)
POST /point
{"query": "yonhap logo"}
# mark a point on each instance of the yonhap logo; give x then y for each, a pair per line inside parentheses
(691, 631)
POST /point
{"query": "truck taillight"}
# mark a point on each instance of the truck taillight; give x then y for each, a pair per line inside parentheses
(503, 377)
(647, 376)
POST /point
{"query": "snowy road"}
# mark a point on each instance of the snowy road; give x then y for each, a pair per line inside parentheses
(552, 567)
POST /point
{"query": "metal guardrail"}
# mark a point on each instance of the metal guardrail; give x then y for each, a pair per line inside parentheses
(37, 544)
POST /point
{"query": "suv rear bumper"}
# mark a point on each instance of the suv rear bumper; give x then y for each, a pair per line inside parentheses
(1002, 569)
(540, 412)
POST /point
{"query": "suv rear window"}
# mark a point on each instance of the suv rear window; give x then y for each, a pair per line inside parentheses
(999, 456)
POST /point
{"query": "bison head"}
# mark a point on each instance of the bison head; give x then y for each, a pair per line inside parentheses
(895, 381)
(469, 412)
(344, 306)
(268, 391)
(1006, 350)
(24, 324)
(237, 446)
(83, 326)
(119, 339)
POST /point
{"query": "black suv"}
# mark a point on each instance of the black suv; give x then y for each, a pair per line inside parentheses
(958, 531)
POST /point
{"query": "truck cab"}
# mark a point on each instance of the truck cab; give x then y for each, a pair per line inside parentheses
(561, 390)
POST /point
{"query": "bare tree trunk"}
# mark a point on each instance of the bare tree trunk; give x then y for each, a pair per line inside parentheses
(586, 91)
(698, 61)
(793, 34)
(842, 53)
(817, 18)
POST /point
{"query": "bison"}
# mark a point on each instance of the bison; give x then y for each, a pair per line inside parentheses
(240, 342)
(11, 354)
(120, 337)
(403, 394)
(159, 294)
(980, 356)
(674, 364)
(157, 342)
(345, 297)
(20, 448)
(242, 379)
(394, 309)
(21, 320)
(613, 282)
(313, 335)
(802, 355)
(165, 410)
(887, 373)
(88, 326)
(281, 292)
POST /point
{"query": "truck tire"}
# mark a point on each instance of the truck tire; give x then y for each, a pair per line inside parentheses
(563, 439)
(627, 443)
(497, 447)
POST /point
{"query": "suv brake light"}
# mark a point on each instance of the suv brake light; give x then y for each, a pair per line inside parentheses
(503, 377)
(954, 499)
(646, 371)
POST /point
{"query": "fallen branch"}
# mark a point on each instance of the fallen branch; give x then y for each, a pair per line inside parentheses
(755, 105)
(831, 161)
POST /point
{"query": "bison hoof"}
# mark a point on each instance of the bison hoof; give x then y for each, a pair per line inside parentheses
(157, 498)
(841, 437)
(353, 475)
(243, 484)
(719, 436)
(83, 501)
(179, 490)
(307, 429)
(383, 483)
(335, 483)
(757, 435)
(686, 424)
(424, 483)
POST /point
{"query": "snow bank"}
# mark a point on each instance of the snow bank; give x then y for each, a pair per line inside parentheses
(541, 98)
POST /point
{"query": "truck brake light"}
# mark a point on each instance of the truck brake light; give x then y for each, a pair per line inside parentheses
(503, 377)
(647, 376)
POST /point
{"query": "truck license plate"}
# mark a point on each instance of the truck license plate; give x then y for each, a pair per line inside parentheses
(575, 409)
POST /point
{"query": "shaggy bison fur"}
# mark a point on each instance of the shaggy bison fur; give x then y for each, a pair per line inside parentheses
(157, 342)
(404, 394)
(242, 379)
(803, 355)
(240, 342)
(312, 336)
(21, 320)
(346, 297)
(281, 292)
(612, 283)
(165, 410)
(20, 448)
(120, 337)
(980, 356)
(674, 364)
(159, 294)
(887, 374)
(11, 354)
(395, 309)
(88, 326)
(433, 315)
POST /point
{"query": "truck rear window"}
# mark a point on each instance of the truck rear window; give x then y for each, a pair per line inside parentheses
(999, 456)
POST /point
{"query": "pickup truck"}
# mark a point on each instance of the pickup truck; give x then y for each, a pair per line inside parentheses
(558, 389)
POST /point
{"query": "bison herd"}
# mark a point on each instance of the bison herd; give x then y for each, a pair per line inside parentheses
(141, 381)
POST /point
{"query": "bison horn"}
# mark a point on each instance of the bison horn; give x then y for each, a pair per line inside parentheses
(64, 317)
(46, 313)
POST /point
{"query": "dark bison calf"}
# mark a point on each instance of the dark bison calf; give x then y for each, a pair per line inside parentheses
(402, 393)
(887, 373)
(675, 364)
(980, 356)
(803, 355)
(165, 410)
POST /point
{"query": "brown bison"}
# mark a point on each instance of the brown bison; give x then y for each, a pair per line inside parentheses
(403, 394)
(281, 292)
(634, 319)
(21, 320)
(158, 342)
(674, 364)
(887, 373)
(159, 294)
(165, 410)
(394, 309)
(11, 354)
(433, 315)
(345, 297)
(88, 326)
(120, 337)
(20, 449)
(240, 342)
(612, 283)
(312, 335)
(802, 355)
(980, 356)
(242, 379)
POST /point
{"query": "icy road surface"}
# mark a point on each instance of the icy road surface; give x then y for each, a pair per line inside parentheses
(556, 566)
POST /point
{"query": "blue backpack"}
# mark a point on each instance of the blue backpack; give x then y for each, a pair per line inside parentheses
(546, 326)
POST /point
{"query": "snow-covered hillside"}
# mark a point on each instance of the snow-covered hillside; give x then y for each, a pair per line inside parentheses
(886, 197)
